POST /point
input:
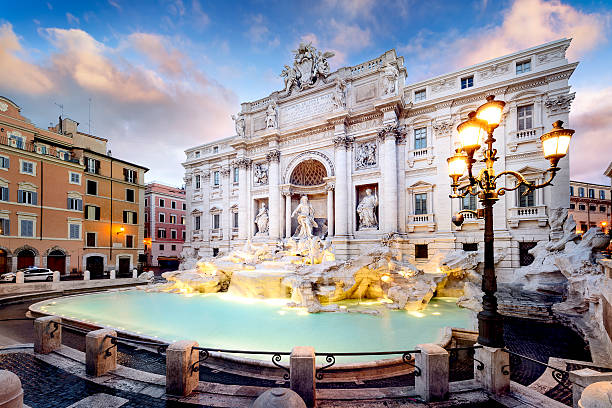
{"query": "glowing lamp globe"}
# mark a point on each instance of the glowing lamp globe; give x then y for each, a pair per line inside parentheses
(457, 164)
(491, 111)
(471, 133)
(556, 143)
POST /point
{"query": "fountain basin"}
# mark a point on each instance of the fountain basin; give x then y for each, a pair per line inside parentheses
(224, 321)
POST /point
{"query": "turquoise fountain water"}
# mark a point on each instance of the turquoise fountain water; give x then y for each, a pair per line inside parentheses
(220, 320)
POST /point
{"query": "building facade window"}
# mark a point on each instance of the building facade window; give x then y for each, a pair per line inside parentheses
(74, 231)
(581, 207)
(184, 206)
(146, 202)
(161, 247)
(602, 194)
(129, 175)
(525, 200)
(129, 241)
(421, 251)
(26, 228)
(215, 149)
(592, 208)
(197, 182)
(591, 193)
(75, 178)
(90, 239)
(523, 66)
(172, 204)
(4, 193)
(525, 117)
(196, 222)
(27, 197)
(182, 220)
(173, 247)
(468, 202)
(129, 195)
(525, 258)
(162, 217)
(5, 162)
(572, 191)
(184, 235)
(28, 167)
(130, 217)
(92, 212)
(162, 203)
(92, 187)
(173, 234)
(420, 138)
(235, 220)
(216, 178)
(161, 233)
(602, 208)
(92, 165)
(236, 174)
(75, 204)
(580, 191)
(572, 206)
(5, 226)
(216, 221)
(420, 95)
(172, 219)
(471, 247)
(467, 82)
(420, 203)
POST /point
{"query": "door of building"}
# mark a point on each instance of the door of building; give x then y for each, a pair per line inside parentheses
(3, 262)
(95, 266)
(124, 266)
(25, 258)
(56, 261)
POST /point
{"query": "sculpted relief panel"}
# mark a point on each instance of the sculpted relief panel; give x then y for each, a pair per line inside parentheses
(366, 155)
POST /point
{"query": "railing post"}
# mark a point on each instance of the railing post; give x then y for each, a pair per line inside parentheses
(11, 393)
(581, 379)
(495, 362)
(56, 276)
(47, 334)
(134, 273)
(19, 277)
(113, 274)
(86, 275)
(432, 384)
(100, 352)
(182, 373)
(302, 374)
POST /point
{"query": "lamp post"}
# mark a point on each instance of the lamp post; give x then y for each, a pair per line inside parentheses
(483, 123)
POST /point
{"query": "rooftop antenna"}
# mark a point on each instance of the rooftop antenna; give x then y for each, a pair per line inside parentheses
(61, 106)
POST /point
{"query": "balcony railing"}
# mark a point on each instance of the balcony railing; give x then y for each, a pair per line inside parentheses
(417, 220)
(38, 148)
(534, 213)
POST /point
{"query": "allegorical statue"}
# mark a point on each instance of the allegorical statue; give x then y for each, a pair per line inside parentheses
(367, 210)
(262, 219)
(240, 123)
(389, 75)
(305, 218)
(271, 115)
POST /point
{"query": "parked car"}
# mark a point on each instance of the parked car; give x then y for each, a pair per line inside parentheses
(29, 274)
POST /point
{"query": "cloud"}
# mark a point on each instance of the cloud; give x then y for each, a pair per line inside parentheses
(545, 21)
(590, 117)
(258, 30)
(199, 15)
(19, 75)
(349, 37)
(150, 111)
(351, 9)
(115, 4)
(72, 19)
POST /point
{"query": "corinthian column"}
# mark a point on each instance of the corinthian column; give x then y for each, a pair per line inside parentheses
(274, 194)
(388, 136)
(287, 214)
(341, 202)
(330, 209)
(243, 221)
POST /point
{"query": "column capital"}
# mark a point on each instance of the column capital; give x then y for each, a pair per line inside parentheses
(273, 156)
(225, 171)
(343, 141)
(243, 162)
(206, 175)
(330, 187)
(395, 131)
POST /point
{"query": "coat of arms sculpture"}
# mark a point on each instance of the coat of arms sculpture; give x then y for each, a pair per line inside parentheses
(308, 65)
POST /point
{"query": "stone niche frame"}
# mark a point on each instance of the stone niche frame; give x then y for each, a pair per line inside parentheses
(256, 204)
(359, 194)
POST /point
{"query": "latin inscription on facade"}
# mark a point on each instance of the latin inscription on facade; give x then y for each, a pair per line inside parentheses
(306, 109)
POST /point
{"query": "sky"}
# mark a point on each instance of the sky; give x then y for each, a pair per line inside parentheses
(159, 76)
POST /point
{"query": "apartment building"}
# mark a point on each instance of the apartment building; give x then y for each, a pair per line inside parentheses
(164, 225)
(590, 205)
(67, 204)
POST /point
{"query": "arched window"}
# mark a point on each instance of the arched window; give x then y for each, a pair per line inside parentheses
(309, 173)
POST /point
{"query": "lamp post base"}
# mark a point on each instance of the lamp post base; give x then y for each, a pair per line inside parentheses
(490, 329)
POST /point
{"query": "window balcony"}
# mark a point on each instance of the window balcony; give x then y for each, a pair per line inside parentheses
(524, 136)
(535, 213)
(421, 221)
(420, 154)
(216, 233)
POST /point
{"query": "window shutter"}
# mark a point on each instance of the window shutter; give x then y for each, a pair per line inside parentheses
(5, 194)
(68, 205)
(97, 213)
(135, 220)
(125, 217)
(7, 227)
(7, 162)
(80, 205)
(34, 198)
(20, 196)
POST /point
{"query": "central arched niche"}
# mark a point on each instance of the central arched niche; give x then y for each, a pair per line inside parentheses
(309, 178)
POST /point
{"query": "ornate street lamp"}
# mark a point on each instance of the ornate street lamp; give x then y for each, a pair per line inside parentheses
(471, 132)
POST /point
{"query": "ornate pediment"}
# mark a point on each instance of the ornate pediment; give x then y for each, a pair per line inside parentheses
(308, 66)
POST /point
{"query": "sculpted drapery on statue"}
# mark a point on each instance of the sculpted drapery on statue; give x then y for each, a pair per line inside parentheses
(271, 115)
(240, 123)
(262, 219)
(367, 211)
(308, 65)
(305, 218)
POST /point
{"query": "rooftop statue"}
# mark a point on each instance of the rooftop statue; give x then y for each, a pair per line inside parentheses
(308, 65)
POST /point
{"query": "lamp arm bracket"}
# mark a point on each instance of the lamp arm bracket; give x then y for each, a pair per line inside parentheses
(522, 181)
(464, 191)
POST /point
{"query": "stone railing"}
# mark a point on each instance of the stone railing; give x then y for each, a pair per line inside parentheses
(535, 213)
(216, 233)
(421, 220)
(371, 65)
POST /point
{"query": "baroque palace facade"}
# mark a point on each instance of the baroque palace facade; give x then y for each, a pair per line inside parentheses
(368, 150)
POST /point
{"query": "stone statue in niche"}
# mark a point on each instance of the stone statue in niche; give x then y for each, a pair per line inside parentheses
(367, 210)
(271, 115)
(339, 95)
(240, 123)
(389, 79)
(365, 155)
(261, 173)
(305, 218)
(262, 219)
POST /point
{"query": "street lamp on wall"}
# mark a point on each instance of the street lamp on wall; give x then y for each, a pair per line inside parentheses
(479, 124)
